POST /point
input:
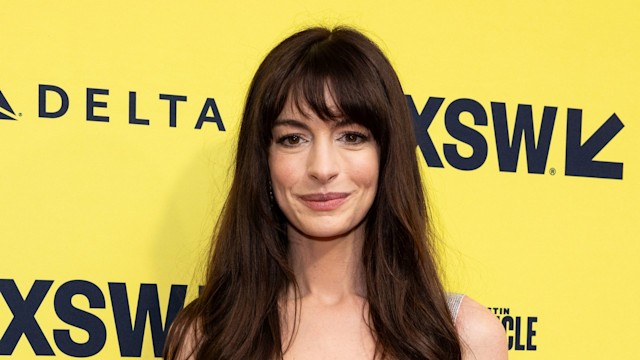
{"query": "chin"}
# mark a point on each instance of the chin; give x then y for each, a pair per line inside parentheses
(323, 231)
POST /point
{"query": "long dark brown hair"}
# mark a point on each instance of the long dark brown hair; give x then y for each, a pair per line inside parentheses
(237, 315)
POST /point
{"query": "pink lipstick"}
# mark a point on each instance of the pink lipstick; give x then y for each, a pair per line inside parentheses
(324, 201)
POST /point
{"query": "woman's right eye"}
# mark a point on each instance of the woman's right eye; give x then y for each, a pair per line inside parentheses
(290, 140)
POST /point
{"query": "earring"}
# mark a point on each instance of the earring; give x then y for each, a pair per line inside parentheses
(271, 197)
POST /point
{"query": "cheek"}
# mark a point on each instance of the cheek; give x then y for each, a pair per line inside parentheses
(365, 169)
(283, 172)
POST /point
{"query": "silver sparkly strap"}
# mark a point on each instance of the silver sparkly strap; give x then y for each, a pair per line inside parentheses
(453, 302)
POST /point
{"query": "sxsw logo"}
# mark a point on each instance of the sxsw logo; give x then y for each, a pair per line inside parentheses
(6, 112)
(507, 139)
(135, 322)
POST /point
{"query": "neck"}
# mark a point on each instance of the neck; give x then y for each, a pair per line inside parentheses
(328, 269)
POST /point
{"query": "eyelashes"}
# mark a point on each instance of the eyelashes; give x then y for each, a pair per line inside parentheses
(290, 140)
(354, 137)
(347, 137)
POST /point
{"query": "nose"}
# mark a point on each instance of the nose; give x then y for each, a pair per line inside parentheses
(323, 162)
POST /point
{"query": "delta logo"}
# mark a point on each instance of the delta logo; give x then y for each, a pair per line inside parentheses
(54, 102)
(6, 112)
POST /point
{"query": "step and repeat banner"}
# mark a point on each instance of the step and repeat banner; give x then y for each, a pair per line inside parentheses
(117, 131)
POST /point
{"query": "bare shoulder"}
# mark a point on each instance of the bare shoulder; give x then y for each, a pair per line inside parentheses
(481, 334)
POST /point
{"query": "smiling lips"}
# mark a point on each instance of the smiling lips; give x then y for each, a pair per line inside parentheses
(324, 202)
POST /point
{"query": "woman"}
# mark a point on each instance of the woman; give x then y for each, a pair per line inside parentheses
(323, 249)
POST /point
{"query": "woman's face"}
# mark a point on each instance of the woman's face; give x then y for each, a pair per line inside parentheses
(324, 173)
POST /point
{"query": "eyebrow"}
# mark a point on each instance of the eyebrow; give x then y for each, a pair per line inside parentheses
(301, 125)
(291, 122)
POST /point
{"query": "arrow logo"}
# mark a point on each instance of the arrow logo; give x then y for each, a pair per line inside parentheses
(6, 112)
(580, 156)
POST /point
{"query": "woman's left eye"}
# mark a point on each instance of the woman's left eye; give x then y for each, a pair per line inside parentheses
(353, 138)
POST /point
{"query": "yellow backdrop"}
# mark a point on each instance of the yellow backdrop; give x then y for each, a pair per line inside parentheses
(117, 127)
